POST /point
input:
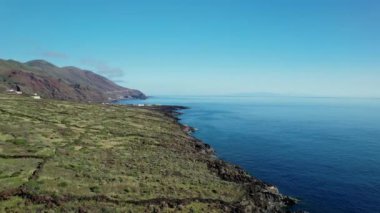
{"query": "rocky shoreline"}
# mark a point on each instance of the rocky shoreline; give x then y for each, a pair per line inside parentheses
(259, 196)
(124, 159)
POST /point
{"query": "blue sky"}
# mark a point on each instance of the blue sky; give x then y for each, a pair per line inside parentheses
(204, 47)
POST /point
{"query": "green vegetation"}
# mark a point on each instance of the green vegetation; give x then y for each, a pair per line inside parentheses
(66, 156)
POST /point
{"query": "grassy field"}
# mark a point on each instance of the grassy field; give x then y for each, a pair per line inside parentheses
(73, 157)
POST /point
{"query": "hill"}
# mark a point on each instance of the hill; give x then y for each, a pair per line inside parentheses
(62, 158)
(65, 83)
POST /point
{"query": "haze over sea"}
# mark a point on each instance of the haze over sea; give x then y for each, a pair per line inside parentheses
(324, 151)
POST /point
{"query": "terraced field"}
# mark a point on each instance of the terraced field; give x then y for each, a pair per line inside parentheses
(76, 157)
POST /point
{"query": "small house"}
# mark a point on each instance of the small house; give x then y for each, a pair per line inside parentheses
(36, 96)
(17, 90)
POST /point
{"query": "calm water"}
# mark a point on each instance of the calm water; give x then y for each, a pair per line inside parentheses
(324, 151)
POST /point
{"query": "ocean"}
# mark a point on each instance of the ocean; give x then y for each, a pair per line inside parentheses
(323, 151)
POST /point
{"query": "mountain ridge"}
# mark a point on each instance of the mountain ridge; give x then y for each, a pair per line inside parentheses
(64, 83)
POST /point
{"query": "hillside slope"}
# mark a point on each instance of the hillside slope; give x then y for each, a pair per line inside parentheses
(62, 158)
(65, 83)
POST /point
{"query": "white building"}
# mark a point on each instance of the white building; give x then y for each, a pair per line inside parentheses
(35, 96)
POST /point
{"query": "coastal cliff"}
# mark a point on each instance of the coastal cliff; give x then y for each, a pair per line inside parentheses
(68, 156)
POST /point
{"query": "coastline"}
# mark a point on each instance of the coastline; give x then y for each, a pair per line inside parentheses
(125, 158)
(259, 197)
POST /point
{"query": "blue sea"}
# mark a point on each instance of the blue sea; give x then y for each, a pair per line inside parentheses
(324, 151)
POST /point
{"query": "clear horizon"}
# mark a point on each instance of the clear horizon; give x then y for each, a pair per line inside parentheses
(318, 48)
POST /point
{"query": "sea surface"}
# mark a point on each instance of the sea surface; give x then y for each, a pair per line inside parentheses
(324, 151)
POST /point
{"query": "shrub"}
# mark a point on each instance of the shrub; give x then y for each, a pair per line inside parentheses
(18, 141)
(95, 189)
(63, 184)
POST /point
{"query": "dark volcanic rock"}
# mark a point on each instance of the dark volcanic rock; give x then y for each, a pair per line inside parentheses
(229, 172)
